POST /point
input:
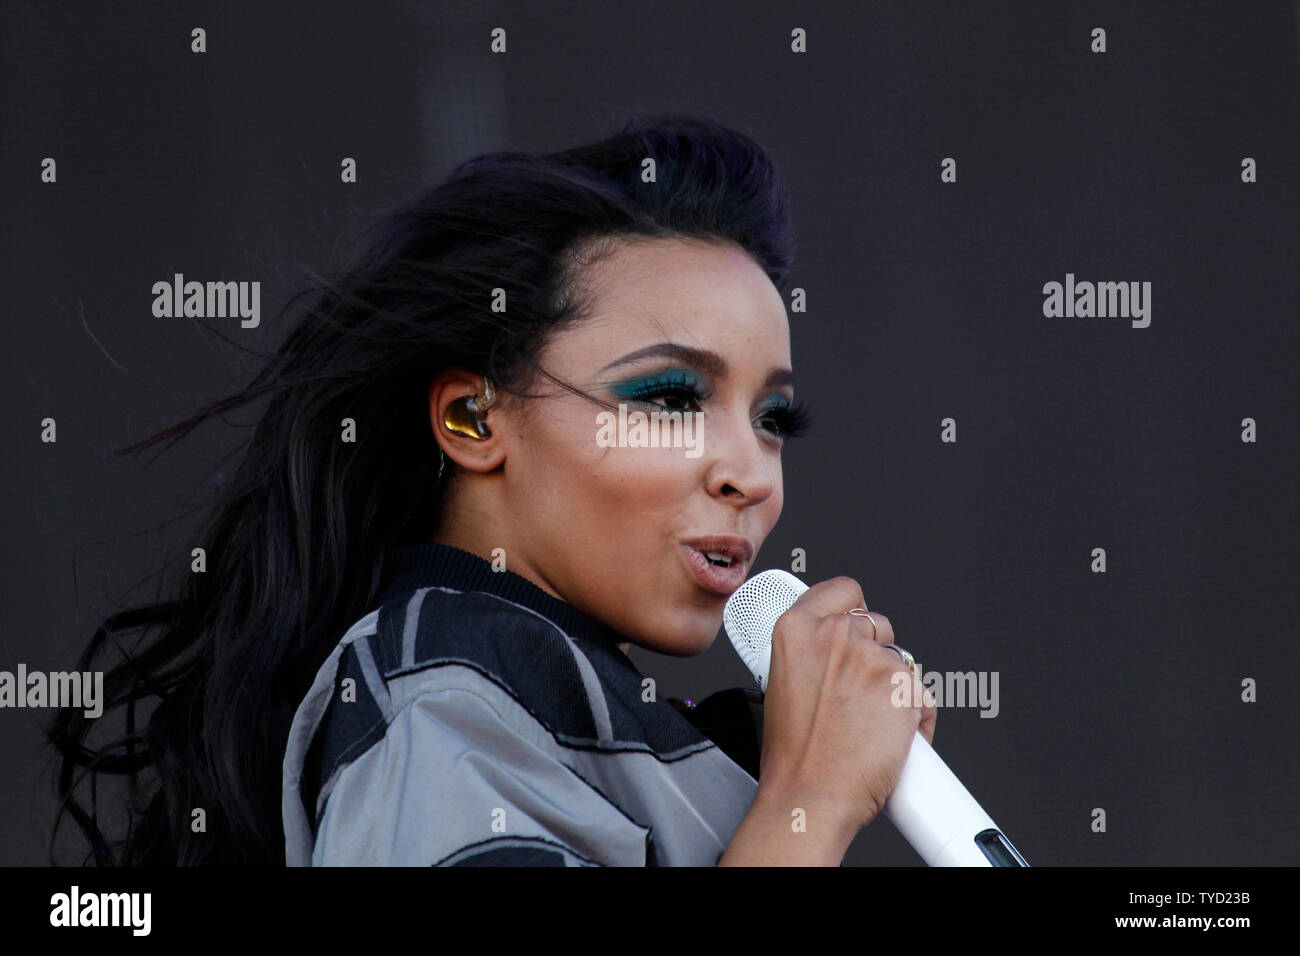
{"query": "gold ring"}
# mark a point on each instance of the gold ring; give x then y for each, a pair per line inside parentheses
(862, 612)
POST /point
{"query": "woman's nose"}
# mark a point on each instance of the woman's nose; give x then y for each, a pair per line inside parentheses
(739, 461)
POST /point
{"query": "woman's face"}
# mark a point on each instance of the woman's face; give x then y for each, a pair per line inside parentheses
(605, 525)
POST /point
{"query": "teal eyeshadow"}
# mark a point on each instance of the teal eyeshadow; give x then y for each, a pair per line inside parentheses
(646, 385)
(779, 402)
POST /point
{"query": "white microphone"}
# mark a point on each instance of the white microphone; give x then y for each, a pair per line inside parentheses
(929, 806)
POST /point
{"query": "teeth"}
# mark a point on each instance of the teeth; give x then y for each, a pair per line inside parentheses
(716, 557)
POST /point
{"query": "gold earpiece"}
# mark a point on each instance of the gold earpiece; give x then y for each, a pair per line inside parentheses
(466, 416)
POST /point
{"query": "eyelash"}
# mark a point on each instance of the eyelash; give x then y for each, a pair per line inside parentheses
(791, 421)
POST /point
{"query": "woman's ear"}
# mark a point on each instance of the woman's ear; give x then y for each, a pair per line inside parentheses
(458, 402)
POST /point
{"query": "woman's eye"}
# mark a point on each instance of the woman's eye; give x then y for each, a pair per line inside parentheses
(674, 396)
(788, 421)
(679, 393)
(679, 389)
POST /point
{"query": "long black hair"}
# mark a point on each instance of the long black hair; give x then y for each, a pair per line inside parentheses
(296, 537)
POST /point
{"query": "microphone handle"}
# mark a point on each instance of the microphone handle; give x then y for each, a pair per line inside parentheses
(939, 817)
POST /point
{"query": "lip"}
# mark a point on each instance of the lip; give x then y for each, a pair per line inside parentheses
(714, 578)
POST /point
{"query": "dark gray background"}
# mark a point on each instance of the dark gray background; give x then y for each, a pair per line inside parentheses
(1118, 690)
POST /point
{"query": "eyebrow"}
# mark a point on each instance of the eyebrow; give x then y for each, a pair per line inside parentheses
(705, 361)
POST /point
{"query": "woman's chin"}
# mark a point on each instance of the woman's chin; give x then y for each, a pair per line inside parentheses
(689, 639)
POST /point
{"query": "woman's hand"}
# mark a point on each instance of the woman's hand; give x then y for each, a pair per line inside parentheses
(833, 736)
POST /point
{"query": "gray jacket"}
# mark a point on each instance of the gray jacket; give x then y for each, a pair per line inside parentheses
(472, 718)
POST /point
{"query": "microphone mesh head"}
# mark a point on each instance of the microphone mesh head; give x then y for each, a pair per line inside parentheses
(750, 617)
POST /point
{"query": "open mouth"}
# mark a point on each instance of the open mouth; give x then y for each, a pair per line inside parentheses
(718, 565)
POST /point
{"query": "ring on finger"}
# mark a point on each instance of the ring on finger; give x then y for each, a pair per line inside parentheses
(862, 612)
(908, 659)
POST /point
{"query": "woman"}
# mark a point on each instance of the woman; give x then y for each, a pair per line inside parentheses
(409, 642)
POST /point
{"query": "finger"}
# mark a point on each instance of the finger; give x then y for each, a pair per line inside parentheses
(917, 695)
(834, 596)
(872, 627)
(839, 595)
(883, 632)
(929, 713)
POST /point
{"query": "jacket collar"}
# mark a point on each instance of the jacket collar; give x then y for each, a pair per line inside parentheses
(414, 566)
(732, 718)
